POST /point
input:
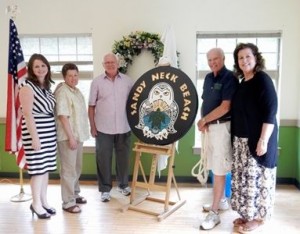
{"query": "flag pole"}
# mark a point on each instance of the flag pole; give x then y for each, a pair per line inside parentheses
(22, 196)
(13, 10)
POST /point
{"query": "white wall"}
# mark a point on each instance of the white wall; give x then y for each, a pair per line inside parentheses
(110, 20)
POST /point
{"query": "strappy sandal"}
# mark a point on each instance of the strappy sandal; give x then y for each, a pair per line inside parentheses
(252, 226)
(239, 221)
(81, 200)
(73, 209)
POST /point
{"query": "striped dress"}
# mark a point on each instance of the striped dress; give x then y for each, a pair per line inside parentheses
(43, 161)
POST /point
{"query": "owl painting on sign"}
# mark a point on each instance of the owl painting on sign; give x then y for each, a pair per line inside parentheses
(158, 113)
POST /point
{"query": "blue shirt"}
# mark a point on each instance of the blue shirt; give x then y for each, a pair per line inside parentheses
(217, 89)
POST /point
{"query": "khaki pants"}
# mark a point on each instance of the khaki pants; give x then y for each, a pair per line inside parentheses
(219, 150)
(70, 171)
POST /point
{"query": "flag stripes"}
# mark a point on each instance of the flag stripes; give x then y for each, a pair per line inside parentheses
(16, 75)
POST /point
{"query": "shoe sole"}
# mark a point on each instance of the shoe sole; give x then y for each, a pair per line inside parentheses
(105, 200)
(72, 209)
(202, 228)
(208, 209)
(124, 194)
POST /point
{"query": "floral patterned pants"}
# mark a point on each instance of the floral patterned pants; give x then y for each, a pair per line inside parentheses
(252, 185)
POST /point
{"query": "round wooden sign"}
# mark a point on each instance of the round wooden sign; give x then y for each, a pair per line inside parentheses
(162, 105)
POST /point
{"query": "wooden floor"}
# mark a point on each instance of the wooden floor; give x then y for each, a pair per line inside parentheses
(102, 218)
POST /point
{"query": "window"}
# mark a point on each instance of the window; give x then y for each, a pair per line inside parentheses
(61, 49)
(268, 44)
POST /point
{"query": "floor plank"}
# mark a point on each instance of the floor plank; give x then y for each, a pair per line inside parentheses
(98, 217)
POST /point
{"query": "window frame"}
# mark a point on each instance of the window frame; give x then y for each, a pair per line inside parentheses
(56, 65)
(201, 73)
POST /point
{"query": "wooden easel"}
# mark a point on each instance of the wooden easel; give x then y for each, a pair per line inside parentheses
(154, 151)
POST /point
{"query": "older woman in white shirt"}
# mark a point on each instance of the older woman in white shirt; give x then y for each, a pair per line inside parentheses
(72, 131)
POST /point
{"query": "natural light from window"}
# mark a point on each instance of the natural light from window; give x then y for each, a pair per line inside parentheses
(268, 44)
(61, 49)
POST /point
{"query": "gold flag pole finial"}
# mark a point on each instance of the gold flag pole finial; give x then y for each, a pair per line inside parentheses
(13, 9)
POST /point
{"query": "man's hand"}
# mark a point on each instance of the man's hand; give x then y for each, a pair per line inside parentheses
(202, 126)
(93, 132)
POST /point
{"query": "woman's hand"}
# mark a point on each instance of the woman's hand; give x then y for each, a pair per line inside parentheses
(36, 144)
(73, 143)
(261, 147)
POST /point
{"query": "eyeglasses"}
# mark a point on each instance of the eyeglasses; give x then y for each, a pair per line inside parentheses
(109, 63)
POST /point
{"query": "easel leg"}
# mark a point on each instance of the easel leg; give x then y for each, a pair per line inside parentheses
(135, 176)
(154, 151)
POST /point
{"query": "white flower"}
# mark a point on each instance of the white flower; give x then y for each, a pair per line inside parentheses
(122, 62)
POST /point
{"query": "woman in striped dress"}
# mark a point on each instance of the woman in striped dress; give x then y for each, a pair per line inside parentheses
(38, 131)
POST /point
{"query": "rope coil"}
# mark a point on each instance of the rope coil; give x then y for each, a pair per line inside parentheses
(202, 174)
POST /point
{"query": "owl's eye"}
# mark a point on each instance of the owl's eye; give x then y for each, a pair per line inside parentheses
(166, 93)
(156, 92)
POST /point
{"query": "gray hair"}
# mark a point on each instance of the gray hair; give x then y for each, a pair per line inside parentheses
(110, 54)
(217, 50)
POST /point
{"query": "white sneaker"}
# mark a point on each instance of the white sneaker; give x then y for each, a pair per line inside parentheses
(125, 191)
(211, 220)
(223, 205)
(105, 196)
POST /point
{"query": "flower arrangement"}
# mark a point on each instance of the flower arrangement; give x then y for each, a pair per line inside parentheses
(133, 44)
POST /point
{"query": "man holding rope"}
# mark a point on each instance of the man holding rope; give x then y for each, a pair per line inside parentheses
(218, 89)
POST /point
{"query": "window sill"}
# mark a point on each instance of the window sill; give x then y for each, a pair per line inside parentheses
(88, 149)
(196, 150)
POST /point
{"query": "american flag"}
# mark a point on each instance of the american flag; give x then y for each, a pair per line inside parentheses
(16, 74)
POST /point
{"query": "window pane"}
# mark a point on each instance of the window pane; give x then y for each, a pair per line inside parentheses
(57, 81)
(30, 46)
(67, 45)
(56, 68)
(70, 48)
(267, 44)
(84, 86)
(84, 45)
(86, 67)
(49, 46)
(229, 61)
(247, 40)
(270, 61)
(51, 58)
(27, 57)
(205, 44)
(67, 57)
(202, 62)
(85, 58)
(228, 45)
